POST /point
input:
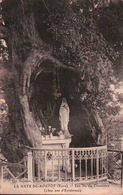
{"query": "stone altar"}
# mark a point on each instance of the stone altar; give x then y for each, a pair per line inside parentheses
(52, 146)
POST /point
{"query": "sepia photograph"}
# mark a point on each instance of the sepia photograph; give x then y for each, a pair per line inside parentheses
(61, 97)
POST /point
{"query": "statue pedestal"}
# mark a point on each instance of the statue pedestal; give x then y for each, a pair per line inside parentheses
(56, 159)
(56, 142)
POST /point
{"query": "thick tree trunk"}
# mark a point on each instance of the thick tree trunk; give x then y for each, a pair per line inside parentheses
(31, 129)
(39, 32)
(97, 128)
(101, 132)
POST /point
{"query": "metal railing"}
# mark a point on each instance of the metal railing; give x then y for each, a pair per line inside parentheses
(72, 164)
(84, 165)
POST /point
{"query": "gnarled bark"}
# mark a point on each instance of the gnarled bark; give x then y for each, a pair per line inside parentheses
(33, 62)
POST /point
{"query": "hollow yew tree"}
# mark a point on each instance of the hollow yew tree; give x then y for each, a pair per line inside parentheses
(51, 45)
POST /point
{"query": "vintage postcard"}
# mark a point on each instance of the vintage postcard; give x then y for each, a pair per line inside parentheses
(61, 97)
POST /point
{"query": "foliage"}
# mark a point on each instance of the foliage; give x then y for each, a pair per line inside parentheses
(4, 120)
(110, 23)
(74, 37)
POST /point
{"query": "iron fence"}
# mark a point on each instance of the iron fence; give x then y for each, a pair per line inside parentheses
(73, 164)
(85, 165)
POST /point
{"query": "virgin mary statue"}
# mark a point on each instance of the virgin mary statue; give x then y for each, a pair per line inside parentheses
(64, 117)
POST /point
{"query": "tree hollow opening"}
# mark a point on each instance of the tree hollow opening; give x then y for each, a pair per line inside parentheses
(48, 86)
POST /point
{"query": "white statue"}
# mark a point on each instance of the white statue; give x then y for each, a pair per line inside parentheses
(64, 117)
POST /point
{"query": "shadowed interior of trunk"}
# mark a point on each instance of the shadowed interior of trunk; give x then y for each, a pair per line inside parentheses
(47, 89)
